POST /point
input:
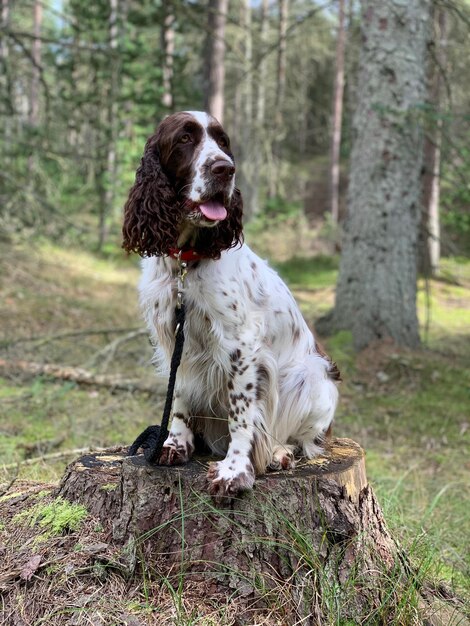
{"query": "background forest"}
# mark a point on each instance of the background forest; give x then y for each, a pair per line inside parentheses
(82, 86)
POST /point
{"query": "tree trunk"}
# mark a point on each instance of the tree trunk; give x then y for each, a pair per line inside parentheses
(260, 170)
(5, 21)
(168, 47)
(215, 60)
(248, 62)
(112, 127)
(6, 105)
(317, 532)
(337, 116)
(376, 291)
(36, 70)
(262, 67)
(281, 60)
(430, 243)
(249, 148)
(274, 183)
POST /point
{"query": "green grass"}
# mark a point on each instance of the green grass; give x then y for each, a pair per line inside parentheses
(409, 410)
(312, 274)
(311, 279)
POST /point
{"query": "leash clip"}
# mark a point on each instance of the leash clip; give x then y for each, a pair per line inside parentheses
(182, 272)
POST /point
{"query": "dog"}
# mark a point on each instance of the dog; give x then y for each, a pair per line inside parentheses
(253, 382)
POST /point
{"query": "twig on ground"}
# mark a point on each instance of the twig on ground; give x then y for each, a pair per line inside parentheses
(108, 353)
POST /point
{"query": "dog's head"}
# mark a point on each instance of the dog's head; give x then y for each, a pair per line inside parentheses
(184, 192)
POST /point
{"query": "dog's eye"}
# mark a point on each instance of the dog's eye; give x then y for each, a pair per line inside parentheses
(185, 138)
(223, 142)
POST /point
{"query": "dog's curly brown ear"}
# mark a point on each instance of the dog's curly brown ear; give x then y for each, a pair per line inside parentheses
(151, 213)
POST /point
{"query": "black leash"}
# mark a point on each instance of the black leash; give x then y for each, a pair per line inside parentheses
(151, 440)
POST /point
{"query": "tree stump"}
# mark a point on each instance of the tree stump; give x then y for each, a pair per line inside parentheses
(317, 531)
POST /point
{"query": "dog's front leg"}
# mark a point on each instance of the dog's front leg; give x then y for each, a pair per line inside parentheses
(236, 472)
(179, 444)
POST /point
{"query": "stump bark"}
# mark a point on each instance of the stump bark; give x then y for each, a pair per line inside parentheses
(315, 533)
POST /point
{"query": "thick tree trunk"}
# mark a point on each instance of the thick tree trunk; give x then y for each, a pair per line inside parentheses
(337, 115)
(319, 527)
(376, 291)
(215, 59)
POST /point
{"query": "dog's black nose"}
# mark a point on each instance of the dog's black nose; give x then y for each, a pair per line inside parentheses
(223, 169)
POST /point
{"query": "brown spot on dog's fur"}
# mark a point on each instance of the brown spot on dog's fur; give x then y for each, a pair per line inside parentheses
(236, 355)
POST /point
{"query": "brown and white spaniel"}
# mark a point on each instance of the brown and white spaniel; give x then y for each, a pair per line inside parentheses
(252, 381)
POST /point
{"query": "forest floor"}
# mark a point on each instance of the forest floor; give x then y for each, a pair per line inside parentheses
(408, 409)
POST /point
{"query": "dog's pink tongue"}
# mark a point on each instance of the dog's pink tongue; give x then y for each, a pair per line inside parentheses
(213, 210)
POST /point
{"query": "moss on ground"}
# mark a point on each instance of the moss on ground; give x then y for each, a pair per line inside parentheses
(54, 518)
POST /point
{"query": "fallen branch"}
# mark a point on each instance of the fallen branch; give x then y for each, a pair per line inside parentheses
(6, 487)
(107, 354)
(42, 340)
(79, 376)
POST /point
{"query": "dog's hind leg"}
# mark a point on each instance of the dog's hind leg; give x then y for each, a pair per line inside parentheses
(308, 402)
(283, 457)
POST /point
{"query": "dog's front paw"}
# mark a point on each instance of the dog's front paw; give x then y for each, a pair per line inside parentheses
(227, 479)
(175, 454)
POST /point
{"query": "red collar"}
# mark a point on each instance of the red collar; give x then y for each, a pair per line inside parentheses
(186, 255)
